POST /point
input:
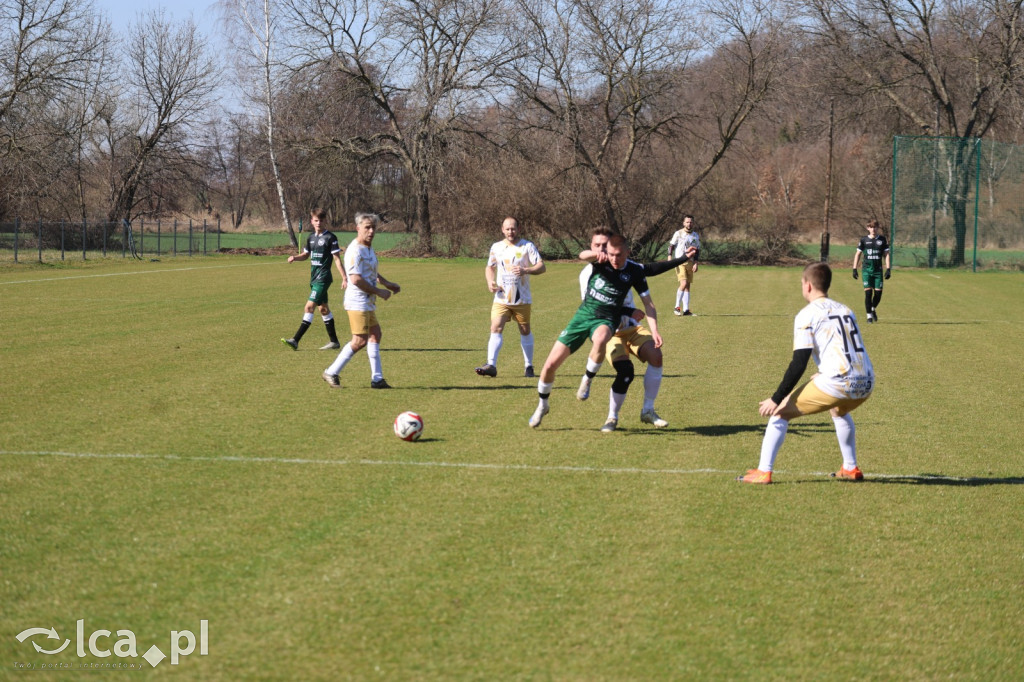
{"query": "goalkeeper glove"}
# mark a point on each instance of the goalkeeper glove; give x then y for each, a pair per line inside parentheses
(888, 273)
(855, 273)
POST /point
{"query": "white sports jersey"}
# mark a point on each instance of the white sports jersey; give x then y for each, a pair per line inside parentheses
(627, 321)
(512, 290)
(830, 330)
(360, 260)
(681, 241)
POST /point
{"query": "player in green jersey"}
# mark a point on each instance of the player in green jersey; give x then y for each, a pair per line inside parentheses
(321, 249)
(598, 317)
(875, 250)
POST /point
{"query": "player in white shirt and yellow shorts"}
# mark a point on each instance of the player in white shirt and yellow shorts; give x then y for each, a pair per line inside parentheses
(827, 331)
(509, 266)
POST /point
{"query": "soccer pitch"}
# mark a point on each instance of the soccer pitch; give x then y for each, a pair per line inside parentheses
(168, 469)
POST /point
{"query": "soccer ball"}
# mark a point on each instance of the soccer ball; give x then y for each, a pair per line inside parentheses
(408, 426)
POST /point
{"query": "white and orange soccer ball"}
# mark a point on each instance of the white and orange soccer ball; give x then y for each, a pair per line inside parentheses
(408, 426)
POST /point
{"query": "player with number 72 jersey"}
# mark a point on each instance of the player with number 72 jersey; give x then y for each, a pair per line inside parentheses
(830, 330)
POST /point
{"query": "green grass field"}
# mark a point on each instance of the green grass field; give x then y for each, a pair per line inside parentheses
(164, 460)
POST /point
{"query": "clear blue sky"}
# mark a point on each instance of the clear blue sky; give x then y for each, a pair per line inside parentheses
(124, 12)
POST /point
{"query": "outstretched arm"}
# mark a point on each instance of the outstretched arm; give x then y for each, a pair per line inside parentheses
(658, 267)
(796, 368)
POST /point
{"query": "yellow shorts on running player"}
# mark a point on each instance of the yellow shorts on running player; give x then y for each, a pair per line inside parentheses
(684, 272)
(362, 321)
(809, 399)
(628, 341)
(520, 313)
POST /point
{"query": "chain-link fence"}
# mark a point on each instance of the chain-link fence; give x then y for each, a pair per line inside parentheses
(22, 241)
(957, 201)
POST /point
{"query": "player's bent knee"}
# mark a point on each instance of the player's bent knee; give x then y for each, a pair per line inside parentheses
(624, 373)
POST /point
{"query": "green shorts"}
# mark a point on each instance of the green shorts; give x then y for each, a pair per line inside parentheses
(872, 278)
(581, 327)
(318, 292)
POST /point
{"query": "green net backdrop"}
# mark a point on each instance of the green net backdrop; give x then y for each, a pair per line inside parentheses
(957, 202)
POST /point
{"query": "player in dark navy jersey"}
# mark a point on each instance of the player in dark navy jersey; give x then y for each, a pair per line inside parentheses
(874, 248)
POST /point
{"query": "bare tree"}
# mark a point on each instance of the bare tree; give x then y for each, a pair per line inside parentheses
(168, 85)
(613, 82)
(423, 64)
(253, 35)
(47, 48)
(963, 58)
(230, 162)
(598, 76)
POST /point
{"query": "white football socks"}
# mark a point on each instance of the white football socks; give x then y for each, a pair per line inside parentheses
(373, 353)
(527, 343)
(846, 433)
(652, 384)
(344, 356)
(493, 348)
(615, 401)
(774, 435)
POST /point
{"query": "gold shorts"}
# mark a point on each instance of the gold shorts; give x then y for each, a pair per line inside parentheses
(362, 321)
(809, 399)
(520, 313)
(684, 272)
(628, 341)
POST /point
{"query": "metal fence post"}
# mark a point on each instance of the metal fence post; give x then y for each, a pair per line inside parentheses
(142, 236)
(40, 241)
(204, 236)
(158, 237)
(218, 234)
(85, 236)
(175, 236)
(189, 237)
(17, 224)
(61, 235)
(124, 239)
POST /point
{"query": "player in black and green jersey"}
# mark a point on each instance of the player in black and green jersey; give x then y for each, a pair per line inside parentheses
(598, 317)
(876, 267)
(321, 249)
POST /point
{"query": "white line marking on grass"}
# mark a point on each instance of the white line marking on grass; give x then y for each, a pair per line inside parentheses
(133, 272)
(448, 465)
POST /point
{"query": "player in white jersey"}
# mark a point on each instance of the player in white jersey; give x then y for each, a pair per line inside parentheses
(509, 266)
(681, 242)
(827, 331)
(361, 303)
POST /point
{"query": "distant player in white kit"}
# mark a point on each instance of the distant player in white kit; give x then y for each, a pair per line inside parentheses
(682, 241)
(509, 266)
(827, 331)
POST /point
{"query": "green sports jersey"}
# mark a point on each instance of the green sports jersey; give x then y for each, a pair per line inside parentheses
(874, 250)
(321, 248)
(607, 288)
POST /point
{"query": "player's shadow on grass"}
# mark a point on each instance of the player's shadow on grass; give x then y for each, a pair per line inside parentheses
(942, 322)
(487, 387)
(733, 429)
(939, 479)
(430, 350)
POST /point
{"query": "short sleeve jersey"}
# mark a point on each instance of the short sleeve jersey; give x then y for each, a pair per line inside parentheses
(607, 288)
(874, 250)
(681, 241)
(360, 260)
(830, 330)
(627, 320)
(321, 249)
(513, 290)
